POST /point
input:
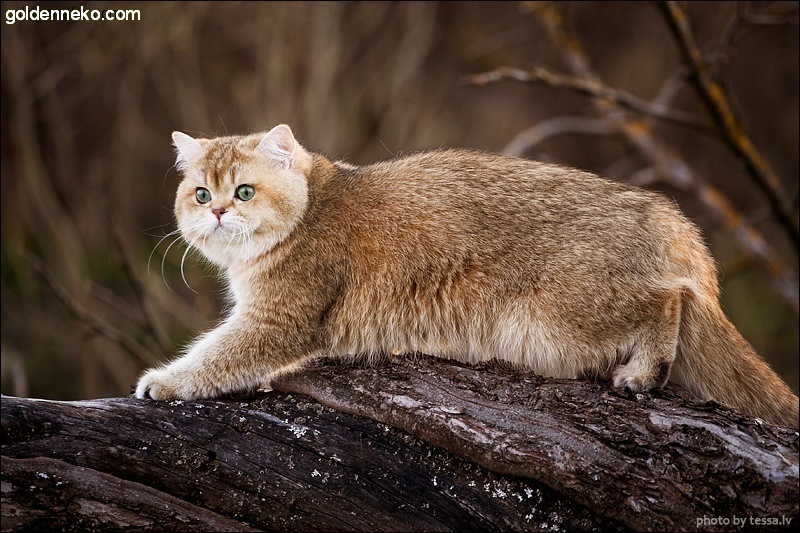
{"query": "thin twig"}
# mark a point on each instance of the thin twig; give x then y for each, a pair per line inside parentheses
(529, 138)
(784, 14)
(743, 22)
(724, 48)
(591, 88)
(95, 323)
(730, 126)
(670, 88)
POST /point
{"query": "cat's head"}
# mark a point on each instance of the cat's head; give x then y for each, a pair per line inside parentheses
(240, 196)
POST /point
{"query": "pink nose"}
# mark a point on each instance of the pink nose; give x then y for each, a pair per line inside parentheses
(219, 211)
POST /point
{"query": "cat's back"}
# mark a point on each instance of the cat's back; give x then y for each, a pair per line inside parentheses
(526, 216)
(463, 193)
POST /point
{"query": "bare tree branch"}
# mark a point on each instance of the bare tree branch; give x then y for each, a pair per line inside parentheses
(529, 138)
(730, 126)
(592, 88)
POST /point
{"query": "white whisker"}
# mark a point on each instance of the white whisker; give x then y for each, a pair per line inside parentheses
(183, 276)
(163, 260)
(150, 257)
(189, 246)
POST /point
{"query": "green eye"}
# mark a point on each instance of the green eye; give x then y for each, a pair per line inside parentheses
(245, 192)
(203, 195)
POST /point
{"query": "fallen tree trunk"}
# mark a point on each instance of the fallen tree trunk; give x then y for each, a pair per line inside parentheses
(478, 448)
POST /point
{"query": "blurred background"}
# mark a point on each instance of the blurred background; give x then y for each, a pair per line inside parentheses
(92, 291)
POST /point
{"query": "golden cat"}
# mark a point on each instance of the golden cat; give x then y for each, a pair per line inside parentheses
(453, 253)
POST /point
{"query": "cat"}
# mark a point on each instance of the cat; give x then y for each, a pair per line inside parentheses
(454, 253)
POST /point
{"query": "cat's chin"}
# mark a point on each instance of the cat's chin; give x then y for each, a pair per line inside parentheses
(226, 252)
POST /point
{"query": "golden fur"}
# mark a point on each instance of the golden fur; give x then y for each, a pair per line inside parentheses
(458, 254)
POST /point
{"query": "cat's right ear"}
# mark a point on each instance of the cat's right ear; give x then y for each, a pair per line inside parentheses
(187, 150)
(279, 145)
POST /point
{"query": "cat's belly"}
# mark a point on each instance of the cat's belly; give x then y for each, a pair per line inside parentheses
(513, 334)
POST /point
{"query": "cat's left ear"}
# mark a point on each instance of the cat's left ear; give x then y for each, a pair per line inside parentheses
(187, 149)
(279, 145)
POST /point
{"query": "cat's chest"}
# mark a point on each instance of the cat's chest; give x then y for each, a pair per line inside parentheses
(252, 285)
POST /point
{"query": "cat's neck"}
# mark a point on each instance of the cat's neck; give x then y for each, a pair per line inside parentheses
(245, 279)
(324, 170)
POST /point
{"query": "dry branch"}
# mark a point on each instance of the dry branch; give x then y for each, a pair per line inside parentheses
(527, 139)
(591, 87)
(730, 126)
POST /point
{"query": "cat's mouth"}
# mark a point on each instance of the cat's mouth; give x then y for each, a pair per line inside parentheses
(223, 228)
(230, 229)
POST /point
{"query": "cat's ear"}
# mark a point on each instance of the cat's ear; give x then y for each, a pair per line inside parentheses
(187, 150)
(279, 145)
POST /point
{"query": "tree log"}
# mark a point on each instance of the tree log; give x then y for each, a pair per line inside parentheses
(412, 444)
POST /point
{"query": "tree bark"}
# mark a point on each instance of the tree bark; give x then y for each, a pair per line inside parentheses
(408, 445)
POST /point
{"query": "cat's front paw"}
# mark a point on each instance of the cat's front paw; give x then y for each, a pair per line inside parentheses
(166, 384)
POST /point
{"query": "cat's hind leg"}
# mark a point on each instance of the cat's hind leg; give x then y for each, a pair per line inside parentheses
(655, 348)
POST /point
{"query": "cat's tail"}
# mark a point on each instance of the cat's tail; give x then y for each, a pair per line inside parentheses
(715, 362)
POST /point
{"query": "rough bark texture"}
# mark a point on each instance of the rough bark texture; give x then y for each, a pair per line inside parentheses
(478, 448)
